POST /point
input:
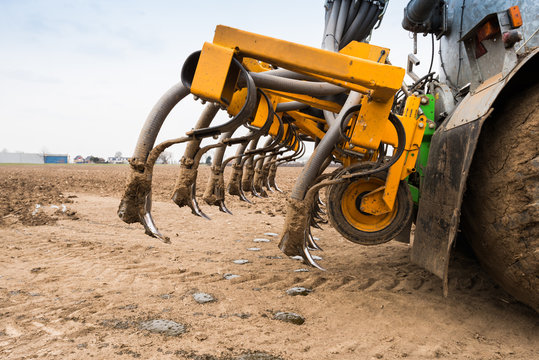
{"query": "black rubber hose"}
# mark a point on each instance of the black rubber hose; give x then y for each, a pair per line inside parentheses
(363, 31)
(418, 11)
(352, 14)
(356, 24)
(371, 24)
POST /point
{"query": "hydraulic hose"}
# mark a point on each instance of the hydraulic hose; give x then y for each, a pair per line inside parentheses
(352, 12)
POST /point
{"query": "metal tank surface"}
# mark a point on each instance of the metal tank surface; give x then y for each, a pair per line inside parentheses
(462, 16)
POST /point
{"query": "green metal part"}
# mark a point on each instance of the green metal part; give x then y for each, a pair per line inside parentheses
(414, 182)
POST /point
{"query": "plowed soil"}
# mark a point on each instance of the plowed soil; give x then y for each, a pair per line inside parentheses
(76, 282)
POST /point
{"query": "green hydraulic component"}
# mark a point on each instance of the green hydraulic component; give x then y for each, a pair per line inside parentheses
(414, 182)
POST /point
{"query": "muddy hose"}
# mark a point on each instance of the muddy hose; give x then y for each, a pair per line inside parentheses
(249, 171)
(214, 193)
(139, 184)
(188, 175)
(234, 182)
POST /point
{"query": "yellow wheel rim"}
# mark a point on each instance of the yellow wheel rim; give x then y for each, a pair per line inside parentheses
(351, 201)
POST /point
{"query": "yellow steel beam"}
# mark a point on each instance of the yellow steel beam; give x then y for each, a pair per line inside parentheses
(306, 126)
(309, 100)
(383, 79)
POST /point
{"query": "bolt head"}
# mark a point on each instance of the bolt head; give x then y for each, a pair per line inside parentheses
(424, 100)
(432, 126)
(421, 125)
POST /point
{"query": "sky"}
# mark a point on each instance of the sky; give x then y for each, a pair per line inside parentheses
(79, 77)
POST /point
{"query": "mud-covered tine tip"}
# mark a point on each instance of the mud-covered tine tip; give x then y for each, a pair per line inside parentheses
(194, 204)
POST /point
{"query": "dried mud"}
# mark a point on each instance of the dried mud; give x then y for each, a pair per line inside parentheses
(80, 289)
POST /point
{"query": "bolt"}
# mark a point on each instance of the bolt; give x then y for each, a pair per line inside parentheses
(195, 97)
(431, 125)
(216, 137)
(351, 146)
(424, 100)
(421, 125)
(203, 101)
(415, 93)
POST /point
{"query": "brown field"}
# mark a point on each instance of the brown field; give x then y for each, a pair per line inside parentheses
(79, 283)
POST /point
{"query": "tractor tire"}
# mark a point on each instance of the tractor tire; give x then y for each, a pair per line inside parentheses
(501, 204)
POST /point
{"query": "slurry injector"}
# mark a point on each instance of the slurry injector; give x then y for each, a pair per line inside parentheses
(405, 151)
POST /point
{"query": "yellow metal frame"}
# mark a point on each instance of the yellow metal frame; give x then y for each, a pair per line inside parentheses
(358, 67)
(381, 200)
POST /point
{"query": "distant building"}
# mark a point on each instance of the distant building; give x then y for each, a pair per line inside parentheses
(79, 160)
(55, 158)
(118, 160)
(21, 158)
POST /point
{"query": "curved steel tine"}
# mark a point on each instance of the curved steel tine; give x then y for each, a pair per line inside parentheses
(316, 215)
(148, 222)
(315, 224)
(254, 192)
(268, 186)
(242, 196)
(223, 207)
(277, 188)
(194, 204)
(311, 242)
(321, 202)
(307, 257)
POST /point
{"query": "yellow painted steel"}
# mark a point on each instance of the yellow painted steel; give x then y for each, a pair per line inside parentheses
(359, 67)
(215, 78)
(383, 79)
(359, 219)
(306, 126)
(309, 100)
(382, 200)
